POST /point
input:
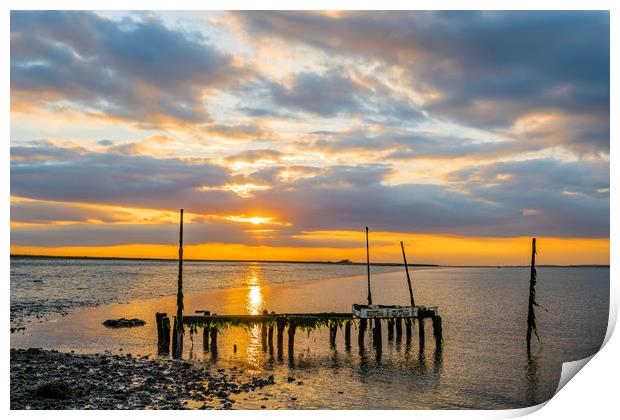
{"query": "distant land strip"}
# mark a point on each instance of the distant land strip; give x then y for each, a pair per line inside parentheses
(342, 262)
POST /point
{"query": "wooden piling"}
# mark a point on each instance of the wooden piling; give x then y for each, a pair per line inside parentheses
(333, 330)
(407, 271)
(437, 332)
(213, 333)
(390, 328)
(368, 267)
(179, 329)
(399, 329)
(177, 340)
(361, 332)
(291, 339)
(531, 316)
(159, 319)
(263, 336)
(280, 324)
(377, 335)
(347, 336)
(408, 322)
(421, 332)
(270, 338)
(167, 332)
(205, 339)
(163, 333)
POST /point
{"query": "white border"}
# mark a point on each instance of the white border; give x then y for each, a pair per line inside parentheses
(592, 395)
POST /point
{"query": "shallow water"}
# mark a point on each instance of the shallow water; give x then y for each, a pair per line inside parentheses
(482, 364)
(43, 286)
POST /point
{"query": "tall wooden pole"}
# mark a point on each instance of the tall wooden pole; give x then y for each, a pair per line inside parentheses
(407, 271)
(180, 280)
(531, 316)
(368, 267)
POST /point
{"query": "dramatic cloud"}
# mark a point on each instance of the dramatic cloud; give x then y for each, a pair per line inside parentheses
(325, 95)
(282, 129)
(107, 177)
(545, 197)
(480, 68)
(136, 70)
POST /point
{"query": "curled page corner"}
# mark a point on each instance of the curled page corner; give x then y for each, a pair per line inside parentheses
(570, 369)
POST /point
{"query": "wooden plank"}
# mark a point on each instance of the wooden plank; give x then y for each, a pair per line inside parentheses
(265, 318)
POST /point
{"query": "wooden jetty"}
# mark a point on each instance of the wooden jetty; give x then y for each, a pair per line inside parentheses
(364, 316)
(212, 325)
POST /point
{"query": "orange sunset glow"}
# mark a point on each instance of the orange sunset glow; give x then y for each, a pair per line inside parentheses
(283, 135)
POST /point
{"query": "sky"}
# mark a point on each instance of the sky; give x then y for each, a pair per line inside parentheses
(283, 134)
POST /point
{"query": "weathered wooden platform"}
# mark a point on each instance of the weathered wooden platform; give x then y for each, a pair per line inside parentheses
(214, 324)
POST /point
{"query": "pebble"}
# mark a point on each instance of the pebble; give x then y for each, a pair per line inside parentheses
(117, 382)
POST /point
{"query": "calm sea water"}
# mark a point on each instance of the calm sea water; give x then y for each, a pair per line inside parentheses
(44, 286)
(482, 365)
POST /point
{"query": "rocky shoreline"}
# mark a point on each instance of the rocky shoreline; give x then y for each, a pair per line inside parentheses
(47, 379)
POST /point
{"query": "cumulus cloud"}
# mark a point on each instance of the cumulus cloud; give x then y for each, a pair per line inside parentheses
(136, 70)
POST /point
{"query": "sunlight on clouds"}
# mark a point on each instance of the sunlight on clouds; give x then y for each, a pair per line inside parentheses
(242, 190)
(254, 220)
(243, 116)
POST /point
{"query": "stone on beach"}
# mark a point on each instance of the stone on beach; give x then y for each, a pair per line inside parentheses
(54, 390)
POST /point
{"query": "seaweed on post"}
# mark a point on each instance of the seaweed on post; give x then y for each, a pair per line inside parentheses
(531, 315)
(180, 328)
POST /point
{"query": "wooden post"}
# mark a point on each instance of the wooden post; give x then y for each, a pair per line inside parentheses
(390, 328)
(368, 267)
(205, 338)
(291, 339)
(407, 271)
(408, 328)
(333, 330)
(270, 338)
(166, 330)
(280, 324)
(163, 333)
(179, 328)
(263, 336)
(531, 316)
(213, 334)
(160, 330)
(263, 332)
(437, 331)
(421, 331)
(177, 340)
(377, 335)
(347, 336)
(361, 332)
(399, 329)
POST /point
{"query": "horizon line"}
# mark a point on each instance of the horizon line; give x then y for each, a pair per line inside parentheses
(341, 262)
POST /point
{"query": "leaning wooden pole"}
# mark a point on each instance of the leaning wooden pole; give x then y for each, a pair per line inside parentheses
(179, 324)
(368, 267)
(407, 271)
(531, 316)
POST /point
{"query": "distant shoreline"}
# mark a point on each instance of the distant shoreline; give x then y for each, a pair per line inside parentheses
(344, 262)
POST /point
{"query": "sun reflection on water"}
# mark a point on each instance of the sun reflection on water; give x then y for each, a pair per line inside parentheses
(254, 306)
(255, 296)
